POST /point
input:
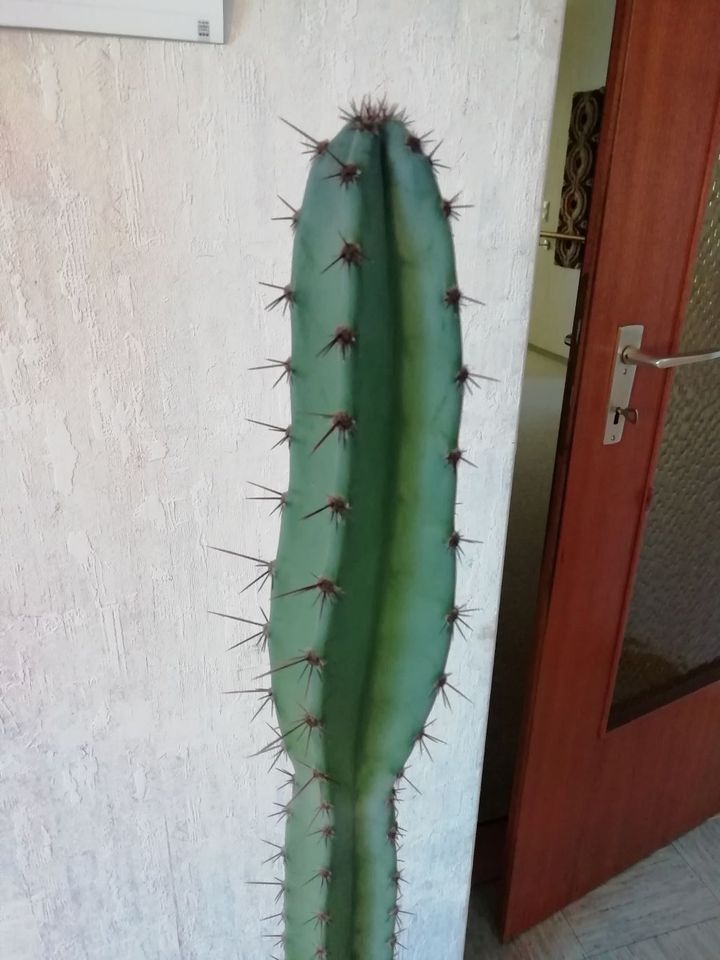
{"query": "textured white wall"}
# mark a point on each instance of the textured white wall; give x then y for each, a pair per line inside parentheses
(138, 181)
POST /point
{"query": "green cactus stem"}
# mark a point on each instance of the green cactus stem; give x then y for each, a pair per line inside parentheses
(363, 609)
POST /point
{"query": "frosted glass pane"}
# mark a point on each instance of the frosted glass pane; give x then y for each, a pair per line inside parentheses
(672, 639)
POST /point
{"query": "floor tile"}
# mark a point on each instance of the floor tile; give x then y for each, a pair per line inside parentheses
(701, 850)
(654, 897)
(551, 940)
(699, 942)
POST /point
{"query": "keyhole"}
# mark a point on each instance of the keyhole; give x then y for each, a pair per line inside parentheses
(629, 413)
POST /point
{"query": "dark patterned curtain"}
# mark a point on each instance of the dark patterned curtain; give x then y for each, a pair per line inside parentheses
(580, 159)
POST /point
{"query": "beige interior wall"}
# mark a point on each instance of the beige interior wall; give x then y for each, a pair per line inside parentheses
(583, 66)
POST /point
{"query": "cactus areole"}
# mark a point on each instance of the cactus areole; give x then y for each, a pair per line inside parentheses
(363, 587)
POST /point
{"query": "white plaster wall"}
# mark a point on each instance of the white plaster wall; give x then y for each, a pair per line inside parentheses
(138, 182)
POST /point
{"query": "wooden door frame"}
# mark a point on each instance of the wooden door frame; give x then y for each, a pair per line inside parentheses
(586, 359)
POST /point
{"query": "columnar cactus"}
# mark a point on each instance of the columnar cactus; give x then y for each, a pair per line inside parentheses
(362, 608)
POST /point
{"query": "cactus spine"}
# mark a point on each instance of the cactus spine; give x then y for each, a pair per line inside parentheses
(363, 609)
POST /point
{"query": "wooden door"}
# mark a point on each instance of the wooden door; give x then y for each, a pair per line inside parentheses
(604, 779)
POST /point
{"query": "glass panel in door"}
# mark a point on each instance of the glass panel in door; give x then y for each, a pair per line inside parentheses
(672, 638)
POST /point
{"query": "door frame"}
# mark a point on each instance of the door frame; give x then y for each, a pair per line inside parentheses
(586, 385)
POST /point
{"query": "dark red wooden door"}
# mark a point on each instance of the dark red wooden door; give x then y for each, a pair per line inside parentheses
(603, 782)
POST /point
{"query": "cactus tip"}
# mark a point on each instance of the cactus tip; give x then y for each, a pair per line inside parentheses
(370, 115)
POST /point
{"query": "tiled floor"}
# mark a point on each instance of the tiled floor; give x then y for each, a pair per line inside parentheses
(665, 908)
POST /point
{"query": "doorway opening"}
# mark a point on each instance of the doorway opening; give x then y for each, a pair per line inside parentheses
(567, 197)
(591, 799)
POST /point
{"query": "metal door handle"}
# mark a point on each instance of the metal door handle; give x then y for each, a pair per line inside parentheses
(555, 235)
(628, 356)
(633, 355)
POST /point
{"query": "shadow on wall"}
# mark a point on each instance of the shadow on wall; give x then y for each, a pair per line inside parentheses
(540, 409)
(230, 26)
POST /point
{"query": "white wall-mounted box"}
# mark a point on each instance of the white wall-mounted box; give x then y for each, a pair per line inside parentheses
(200, 20)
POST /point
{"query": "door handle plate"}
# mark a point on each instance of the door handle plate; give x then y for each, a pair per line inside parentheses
(622, 384)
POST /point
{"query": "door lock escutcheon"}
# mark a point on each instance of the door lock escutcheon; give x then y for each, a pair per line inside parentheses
(619, 412)
(628, 356)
